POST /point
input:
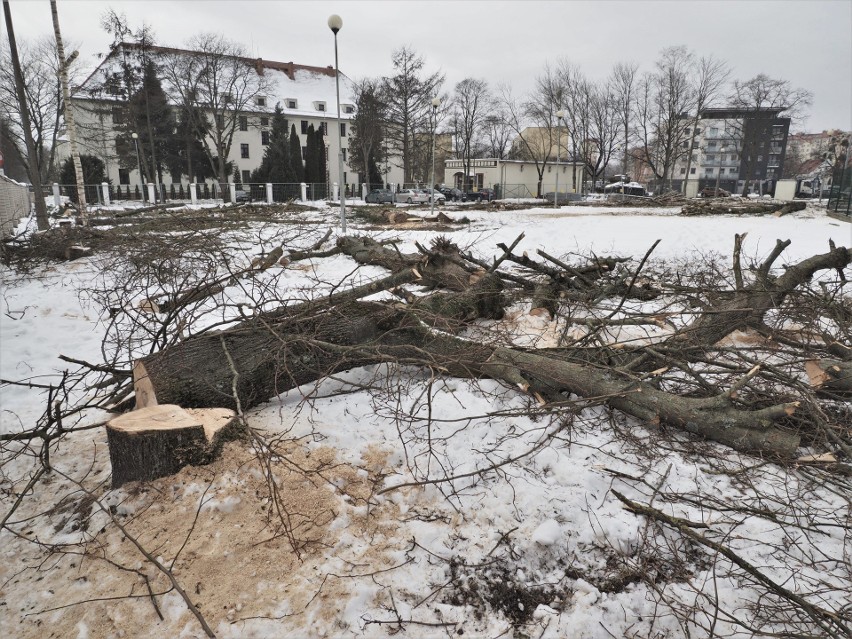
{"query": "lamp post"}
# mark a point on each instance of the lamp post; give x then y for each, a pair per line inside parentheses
(335, 23)
(436, 102)
(135, 137)
(559, 115)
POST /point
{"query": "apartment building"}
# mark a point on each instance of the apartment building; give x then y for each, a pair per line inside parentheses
(734, 149)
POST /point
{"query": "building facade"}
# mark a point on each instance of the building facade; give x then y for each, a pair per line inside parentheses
(735, 150)
(306, 94)
(512, 178)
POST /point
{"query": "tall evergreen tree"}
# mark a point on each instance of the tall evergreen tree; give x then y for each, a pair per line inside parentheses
(311, 156)
(152, 117)
(275, 165)
(296, 163)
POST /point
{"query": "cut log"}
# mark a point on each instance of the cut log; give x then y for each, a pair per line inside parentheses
(158, 441)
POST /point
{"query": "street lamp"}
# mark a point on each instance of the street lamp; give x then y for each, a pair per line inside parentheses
(559, 115)
(135, 137)
(436, 102)
(335, 23)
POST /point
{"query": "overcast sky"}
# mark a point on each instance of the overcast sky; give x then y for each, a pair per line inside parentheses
(806, 42)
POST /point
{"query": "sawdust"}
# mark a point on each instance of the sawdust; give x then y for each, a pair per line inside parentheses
(225, 533)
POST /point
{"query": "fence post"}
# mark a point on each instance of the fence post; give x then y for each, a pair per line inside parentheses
(363, 190)
(304, 192)
(232, 190)
(57, 197)
(268, 193)
(193, 194)
(152, 195)
(105, 189)
(335, 191)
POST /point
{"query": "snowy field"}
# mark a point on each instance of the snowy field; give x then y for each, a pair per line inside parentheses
(537, 547)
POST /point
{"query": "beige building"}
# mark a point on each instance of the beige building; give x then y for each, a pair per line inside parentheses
(514, 178)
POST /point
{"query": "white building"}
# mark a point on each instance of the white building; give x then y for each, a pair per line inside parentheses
(307, 95)
(514, 178)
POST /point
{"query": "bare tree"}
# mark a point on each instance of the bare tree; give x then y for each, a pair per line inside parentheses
(472, 104)
(534, 122)
(40, 70)
(498, 133)
(623, 87)
(754, 97)
(216, 79)
(663, 102)
(20, 92)
(604, 129)
(711, 75)
(408, 95)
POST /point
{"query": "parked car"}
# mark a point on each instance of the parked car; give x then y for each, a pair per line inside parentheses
(412, 196)
(453, 195)
(440, 198)
(711, 191)
(477, 196)
(379, 196)
(488, 194)
(242, 196)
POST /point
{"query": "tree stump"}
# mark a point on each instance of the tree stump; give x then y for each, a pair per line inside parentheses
(159, 440)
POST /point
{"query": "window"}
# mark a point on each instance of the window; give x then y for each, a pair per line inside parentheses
(760, 158)
(686, 131)
(692, 171)
(264, 121)
(243, 123)
(683, 171)
(343, 129)
(323, 127)
(123, 176)
(714, 130)
(117, 115)
(220, 121)
(264, 138)
(246, 176)
(261, 101)
(344, 154)
(244, 151)
(348, 108)
(685, 145)
(320, 106)
(708, 171)
(711, 145)
(291, 104)
(226, 98)
(711, 158)
(304, 126)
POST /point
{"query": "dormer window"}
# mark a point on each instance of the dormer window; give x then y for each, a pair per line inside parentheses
(292, 104)
(260, 101)
(348, 108)
(320, 106)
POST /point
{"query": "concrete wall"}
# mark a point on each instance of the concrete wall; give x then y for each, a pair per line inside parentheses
(14, 204)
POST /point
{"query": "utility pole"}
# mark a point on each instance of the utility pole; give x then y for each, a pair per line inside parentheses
(32, 164)
(69, 113)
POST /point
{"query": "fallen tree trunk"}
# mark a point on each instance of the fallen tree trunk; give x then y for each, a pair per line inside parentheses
(249, 366)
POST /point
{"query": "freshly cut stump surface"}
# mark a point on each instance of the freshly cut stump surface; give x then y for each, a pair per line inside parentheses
(159, 440)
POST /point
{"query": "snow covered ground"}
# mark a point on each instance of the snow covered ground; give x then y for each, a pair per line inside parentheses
(540, 547)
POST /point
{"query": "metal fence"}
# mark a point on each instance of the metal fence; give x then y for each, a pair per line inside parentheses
(840, 194)
(207, 191)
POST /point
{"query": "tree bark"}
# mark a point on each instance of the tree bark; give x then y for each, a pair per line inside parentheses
(157, 441)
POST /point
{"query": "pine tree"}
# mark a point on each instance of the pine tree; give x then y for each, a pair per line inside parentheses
(296, 164)
(152, 117)
(310, 157)
(275, 166)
